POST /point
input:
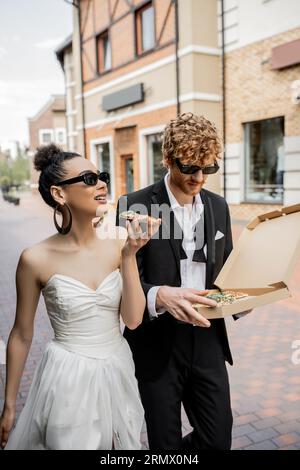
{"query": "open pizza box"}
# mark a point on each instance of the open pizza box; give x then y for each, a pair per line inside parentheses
(261, 263)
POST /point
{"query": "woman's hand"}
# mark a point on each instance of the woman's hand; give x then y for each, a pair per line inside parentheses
(6, 423)
(136, 237)
(133, 300)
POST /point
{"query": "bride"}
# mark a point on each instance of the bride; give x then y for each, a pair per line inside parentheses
(84, 394)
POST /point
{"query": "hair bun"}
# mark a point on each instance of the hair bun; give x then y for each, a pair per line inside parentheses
(45, 155)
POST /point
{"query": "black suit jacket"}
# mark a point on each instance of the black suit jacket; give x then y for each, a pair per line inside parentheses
(159, 264)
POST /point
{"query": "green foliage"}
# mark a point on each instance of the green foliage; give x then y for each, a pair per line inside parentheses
(15, 172)
(5, 173)
(20, 170)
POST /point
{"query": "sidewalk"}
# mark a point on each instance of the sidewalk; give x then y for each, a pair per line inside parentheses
(265, 384)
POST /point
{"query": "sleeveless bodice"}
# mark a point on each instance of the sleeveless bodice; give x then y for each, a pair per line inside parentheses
(84, 320)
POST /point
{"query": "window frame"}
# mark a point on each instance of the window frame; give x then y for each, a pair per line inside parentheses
(144, 163)
(42, 132)
(57, 131)
(138, 28)
(100, 52)
(246, 160)
(94, 159)
(151, 159)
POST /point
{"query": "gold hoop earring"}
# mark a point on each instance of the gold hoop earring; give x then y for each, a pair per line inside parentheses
(63, 230)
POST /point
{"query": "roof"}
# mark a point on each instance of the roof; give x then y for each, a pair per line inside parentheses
(56, 102)
(66, 44)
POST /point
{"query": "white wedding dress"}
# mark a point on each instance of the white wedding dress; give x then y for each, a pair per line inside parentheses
(84, 393)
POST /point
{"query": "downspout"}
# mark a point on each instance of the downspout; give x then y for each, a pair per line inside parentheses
(177, 57)
(81, 78)
(224, 98)
(66, 118)
(76, 4)
(61, 60)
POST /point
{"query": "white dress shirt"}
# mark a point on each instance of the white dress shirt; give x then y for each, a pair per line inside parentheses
(192, 273)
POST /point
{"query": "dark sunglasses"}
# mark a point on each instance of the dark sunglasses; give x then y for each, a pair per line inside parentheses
(90, 178)
(191, 169)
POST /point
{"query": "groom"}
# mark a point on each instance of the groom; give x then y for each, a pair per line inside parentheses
(179, 355)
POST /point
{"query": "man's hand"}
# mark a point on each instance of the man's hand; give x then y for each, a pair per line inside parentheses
(179, 302)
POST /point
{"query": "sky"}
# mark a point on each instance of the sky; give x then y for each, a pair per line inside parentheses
(30, 31)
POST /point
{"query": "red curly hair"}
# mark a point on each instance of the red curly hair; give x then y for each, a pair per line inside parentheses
(190, 138)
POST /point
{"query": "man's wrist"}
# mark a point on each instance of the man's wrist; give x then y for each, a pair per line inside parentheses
(159, 304)
(151, 302)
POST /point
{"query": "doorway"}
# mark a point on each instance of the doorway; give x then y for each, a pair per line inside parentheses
(127, 173)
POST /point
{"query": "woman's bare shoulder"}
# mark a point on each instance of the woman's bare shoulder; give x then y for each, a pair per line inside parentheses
(35, 255)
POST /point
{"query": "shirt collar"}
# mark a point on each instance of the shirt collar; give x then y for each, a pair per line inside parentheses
(173, 201)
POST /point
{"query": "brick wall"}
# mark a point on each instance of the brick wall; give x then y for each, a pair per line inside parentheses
(122, 146)
(51, 117)
(44, 122)
(124, 61)
(95, 17)
(254, 91)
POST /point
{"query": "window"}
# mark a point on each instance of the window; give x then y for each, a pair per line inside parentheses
(156, 169)
(264, 145)
(145, 28)
(128, 174)
(104, 161)
(103, 52)
(45, 136)
(60, 136)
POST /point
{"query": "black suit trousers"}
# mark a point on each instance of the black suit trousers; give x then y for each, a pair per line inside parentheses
(196, 376)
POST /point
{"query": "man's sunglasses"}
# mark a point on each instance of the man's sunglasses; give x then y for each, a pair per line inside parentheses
(191, 169)
(89, 178)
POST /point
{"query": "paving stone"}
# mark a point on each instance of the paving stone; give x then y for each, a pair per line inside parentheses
(266, 423)
(242, 430)
(265, 445)
(263, 435)
(287, 439)
(288, 427)
(240, 442)
(245, 419)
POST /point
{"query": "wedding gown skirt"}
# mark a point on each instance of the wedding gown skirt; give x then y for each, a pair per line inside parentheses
(84, 394)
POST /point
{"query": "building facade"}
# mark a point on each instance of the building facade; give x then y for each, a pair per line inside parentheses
(47, 126)
(262, 102)
(136, 64)
(64, 54)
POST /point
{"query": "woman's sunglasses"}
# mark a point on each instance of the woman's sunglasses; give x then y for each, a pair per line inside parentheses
(191, 169)
(89, 178)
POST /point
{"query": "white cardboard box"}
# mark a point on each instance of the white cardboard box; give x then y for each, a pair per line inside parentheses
(261, 263)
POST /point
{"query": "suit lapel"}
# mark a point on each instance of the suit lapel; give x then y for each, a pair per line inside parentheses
(209, 224)
(169, 225)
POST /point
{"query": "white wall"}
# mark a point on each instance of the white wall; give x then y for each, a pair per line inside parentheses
(292, 170)
(235, 172)
(249, 21)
